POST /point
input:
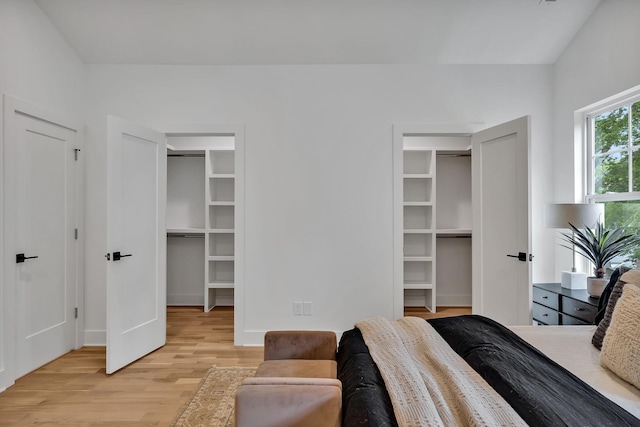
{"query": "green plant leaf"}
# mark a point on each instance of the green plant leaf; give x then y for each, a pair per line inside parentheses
(599, 245)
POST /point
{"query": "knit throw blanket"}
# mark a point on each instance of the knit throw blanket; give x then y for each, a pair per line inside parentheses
(429, 384)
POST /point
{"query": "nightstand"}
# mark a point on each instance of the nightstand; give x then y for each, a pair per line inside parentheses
(555, 305)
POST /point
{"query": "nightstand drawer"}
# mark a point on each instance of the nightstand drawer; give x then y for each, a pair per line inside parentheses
(568, 320)
(545, 315)
(544, 297)
(579, 309)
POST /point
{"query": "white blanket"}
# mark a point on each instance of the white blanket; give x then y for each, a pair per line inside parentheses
(429, 384)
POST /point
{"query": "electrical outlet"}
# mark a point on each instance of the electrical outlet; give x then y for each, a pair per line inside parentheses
(297, 308)
(306, 308)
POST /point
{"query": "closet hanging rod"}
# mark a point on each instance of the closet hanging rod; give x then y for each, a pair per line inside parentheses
(185, 155)
(453, 236)
(453, 155)
(188, 236)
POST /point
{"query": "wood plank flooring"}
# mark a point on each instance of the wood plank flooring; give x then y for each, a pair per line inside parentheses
(74, 390)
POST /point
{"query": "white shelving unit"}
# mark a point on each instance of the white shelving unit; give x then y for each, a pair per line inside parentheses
(436, 220)
(220, 223)
(201, 224)
(419, 219)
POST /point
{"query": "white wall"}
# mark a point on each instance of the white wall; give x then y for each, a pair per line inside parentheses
(602, 60)
(36, 63)
(318, 167)
(37, 66)
(318, 156)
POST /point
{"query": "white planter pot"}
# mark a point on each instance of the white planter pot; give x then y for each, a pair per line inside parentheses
(595, 286)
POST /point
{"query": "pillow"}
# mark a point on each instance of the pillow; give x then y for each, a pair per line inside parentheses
(631, 277)
(604, 298)
(621, 345)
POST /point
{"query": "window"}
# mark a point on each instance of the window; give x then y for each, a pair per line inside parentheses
(613, 164)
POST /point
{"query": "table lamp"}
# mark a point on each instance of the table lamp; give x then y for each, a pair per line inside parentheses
(581, 215)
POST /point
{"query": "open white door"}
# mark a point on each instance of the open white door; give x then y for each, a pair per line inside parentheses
(501, 223)
(38, 293)
(136, 241)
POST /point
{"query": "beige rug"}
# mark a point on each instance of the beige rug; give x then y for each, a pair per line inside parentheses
(213, 403)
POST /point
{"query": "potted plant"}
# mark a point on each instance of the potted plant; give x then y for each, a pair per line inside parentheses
(599, 246)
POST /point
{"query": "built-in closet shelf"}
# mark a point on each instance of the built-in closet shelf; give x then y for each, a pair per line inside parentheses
(417, 204)
(418, 286)
(220, 285)
(418, 258)
(220, 258)
(417, 175)
(454, 231)
(220, 223)
(195, 231)
(418, 231)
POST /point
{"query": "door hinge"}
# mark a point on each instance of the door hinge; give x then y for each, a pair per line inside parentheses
(75, 233)
(76, 312)
(75, 153)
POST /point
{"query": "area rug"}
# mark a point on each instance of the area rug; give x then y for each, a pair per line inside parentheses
(212, 404)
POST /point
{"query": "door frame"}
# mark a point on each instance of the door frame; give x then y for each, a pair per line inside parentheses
(399, 132)
(240, 336)
(8, 319)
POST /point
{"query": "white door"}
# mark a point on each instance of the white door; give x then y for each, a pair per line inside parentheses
(501, 223)
(39, 238)
(136, 241)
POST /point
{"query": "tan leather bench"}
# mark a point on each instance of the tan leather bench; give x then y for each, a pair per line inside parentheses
(296, 384)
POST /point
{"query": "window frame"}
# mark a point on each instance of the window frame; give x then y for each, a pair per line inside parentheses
(590, 156)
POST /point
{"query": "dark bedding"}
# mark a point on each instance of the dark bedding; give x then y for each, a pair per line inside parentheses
(365, 401)
(541, 391)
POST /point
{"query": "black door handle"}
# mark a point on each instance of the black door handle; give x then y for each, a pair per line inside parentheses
(117, 256)
(21, 258)
(522, 256)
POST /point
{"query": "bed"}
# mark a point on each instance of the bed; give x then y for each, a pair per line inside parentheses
(536, 375)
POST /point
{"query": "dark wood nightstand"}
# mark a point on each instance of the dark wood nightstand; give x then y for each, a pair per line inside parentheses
(555, 305)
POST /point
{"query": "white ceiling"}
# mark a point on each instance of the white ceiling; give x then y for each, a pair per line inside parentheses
(318, 31)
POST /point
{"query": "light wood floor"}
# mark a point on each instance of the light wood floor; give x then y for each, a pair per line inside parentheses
(74, 390)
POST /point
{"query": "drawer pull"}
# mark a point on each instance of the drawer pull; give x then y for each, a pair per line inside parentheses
(545, 297)
(579, 309)
(545, 315)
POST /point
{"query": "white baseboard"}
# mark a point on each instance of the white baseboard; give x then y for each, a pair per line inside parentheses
(185, 299)
(453, 300)
(95, 338)
(441, 300)
(224, 300)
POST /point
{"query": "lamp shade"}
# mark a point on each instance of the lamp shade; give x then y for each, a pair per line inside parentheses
(559, 215)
